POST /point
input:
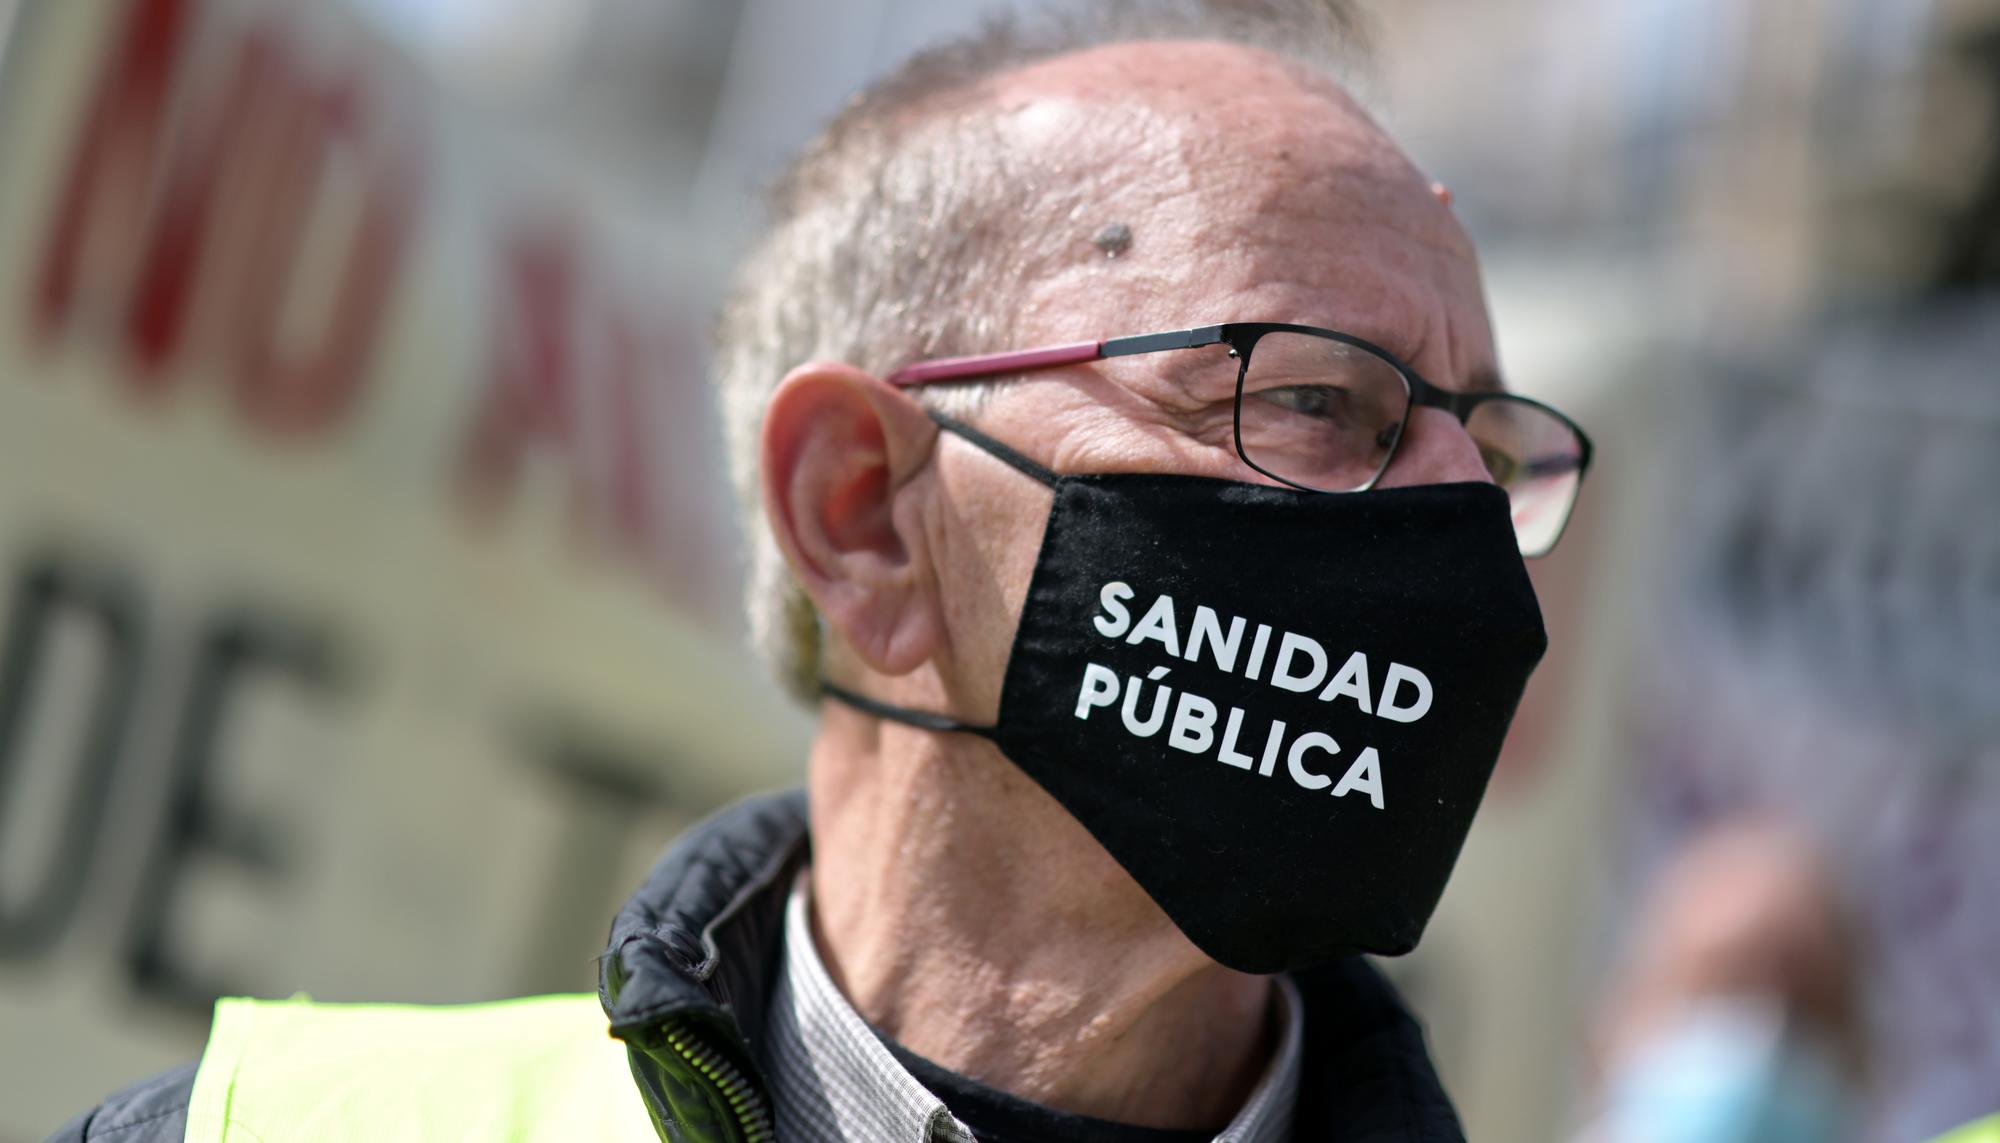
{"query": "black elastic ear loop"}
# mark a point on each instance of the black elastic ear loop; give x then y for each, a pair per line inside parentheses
(924, 719)
(999, 452)
(921, 719)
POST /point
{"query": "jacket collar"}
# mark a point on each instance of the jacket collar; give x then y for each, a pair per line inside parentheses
(703, 934)
(702, 937)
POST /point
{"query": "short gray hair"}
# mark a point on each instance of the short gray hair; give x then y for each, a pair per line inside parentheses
(900, 233)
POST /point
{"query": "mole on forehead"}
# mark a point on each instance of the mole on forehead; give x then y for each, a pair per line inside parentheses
(1137, 160)
(1162, 199)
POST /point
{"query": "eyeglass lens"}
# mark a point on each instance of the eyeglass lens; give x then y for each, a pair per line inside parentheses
(1538, 458)
(1318, 412)
(1324, 414)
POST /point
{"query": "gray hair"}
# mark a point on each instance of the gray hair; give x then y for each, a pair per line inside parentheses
(900, 233)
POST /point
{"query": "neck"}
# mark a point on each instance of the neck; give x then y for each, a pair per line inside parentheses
(966, 916)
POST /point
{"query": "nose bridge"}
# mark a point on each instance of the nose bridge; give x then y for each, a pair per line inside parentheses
(1435, 449)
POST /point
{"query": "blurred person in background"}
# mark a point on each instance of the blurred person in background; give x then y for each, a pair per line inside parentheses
(1736, 1014)
(1132, 485)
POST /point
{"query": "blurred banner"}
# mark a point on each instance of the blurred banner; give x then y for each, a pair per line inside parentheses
(365, 558)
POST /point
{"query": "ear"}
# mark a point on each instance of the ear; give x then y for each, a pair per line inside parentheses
(838, 452)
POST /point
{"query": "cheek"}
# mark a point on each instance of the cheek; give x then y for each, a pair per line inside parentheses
(985, 536)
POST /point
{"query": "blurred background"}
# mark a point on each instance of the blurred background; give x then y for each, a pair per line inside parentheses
(368, 575)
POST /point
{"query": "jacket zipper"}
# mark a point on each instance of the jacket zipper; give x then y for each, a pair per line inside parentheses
(753, 1119)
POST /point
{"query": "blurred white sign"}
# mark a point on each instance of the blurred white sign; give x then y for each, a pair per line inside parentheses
(366, 595)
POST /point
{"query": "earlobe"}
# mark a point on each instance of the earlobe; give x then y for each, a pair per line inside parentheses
(839, 451)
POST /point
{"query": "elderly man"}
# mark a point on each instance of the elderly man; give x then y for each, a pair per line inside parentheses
(1135, 496)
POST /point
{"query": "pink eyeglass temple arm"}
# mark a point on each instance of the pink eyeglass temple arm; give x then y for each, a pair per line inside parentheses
(995, 364)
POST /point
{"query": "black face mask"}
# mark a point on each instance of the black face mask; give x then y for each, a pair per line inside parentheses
(1276, 709)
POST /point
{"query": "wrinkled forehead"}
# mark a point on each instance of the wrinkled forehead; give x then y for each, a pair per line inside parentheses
(1251, 188)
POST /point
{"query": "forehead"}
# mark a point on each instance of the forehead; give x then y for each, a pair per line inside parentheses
(1253, 191)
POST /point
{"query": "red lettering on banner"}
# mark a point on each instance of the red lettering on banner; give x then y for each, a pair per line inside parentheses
(251, 170)
(104, 193)
(631, 475)
(165, 286)
(194, 226)
(575, 382)
(529, 399)
(301, 389)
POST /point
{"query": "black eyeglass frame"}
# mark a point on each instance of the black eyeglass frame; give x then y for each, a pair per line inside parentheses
(1242, 339)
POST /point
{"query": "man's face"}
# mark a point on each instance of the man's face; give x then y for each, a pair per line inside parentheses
(1250, 196)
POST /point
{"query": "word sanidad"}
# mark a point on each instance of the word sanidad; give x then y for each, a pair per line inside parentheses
(1299, 666)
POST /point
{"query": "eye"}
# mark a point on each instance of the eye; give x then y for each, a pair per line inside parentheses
(1500, 465)
(1308, 400)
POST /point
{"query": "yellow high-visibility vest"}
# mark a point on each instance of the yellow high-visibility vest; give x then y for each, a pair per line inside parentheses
(544, 1068)
(1985, 1130)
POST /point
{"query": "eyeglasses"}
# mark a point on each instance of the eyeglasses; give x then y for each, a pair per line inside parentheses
(1324, 411)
